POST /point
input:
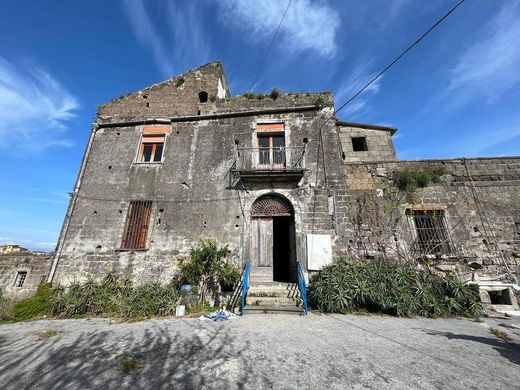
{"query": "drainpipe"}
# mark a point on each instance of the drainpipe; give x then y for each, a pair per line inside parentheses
(72, 204)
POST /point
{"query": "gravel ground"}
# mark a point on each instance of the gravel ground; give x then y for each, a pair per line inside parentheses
(262, 351)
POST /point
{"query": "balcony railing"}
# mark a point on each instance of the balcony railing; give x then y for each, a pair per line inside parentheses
(282, 159)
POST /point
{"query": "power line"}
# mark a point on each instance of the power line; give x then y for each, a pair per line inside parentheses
(269, 48)
(408, 49)
(396, 59)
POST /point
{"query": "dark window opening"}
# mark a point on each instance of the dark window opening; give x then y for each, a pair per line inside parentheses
(500, 297)
(20, 278)
(151, 148)
(203, 97)
(359, 144)
(431, 231)
(136, 226)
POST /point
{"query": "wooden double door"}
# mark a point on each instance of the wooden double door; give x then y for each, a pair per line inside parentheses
(273, 249)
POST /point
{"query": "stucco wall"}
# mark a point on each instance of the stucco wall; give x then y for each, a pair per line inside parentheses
(192, 191)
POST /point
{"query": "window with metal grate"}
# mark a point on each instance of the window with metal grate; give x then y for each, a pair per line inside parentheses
(20, 278)
(136, 226)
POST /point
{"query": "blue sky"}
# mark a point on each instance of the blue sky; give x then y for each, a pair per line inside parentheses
(456, 94)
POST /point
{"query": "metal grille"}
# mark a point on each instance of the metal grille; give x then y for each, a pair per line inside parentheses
(271, 205)
(431, 232)
(136, 227)
(20, 279)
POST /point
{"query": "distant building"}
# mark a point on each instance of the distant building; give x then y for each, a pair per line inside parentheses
(12, 248)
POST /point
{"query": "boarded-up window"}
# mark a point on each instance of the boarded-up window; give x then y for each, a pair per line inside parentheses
(136, 227)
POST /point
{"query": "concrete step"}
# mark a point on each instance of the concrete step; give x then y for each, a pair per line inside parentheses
(269, 292)
(271, 301)
(274, 310)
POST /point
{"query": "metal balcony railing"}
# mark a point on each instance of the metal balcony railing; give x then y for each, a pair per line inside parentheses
(282, 158)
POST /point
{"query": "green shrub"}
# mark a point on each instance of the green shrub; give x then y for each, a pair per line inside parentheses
(114, 295)
(207, 266)
(275, 93)
(347, 286)
(249, 95)
(150, 299)
(409, 180)
(33, 307)
(319, 102)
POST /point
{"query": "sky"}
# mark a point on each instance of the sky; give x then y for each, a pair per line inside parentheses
(456, 94)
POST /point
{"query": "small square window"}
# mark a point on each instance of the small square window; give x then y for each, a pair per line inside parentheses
(431, 231)
(20, 278)
(359, 144)
(151, 149)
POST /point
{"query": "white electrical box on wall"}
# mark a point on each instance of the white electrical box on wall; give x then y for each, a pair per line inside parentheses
(319, 251)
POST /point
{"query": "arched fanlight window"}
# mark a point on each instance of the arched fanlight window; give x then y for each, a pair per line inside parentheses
(271, 205)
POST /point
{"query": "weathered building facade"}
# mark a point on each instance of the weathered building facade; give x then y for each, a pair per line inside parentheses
(280, 180)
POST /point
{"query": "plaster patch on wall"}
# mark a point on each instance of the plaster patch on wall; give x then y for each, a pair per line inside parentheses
(319, 251)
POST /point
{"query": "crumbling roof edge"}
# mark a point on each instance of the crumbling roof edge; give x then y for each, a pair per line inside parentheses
(165, 81)
(426, 160)
(191, 118)
(392, 130)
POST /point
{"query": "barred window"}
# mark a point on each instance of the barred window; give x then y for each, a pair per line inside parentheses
(431, 231)
(136, 226)
(20, 278)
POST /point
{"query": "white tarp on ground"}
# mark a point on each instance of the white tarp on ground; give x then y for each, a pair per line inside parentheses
(319, 251)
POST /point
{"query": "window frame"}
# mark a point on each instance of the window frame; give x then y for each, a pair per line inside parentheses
(20, 278)
(437, 235)
(142, 143)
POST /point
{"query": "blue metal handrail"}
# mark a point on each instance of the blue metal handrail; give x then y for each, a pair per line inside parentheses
(245, 286)
(303, 287)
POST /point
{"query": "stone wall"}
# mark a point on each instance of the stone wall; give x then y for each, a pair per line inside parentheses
(193, 193)
(379, 143)
(481, 203)
(36, 266)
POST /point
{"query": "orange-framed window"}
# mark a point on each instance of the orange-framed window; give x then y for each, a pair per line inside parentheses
(152, 144)
(152, 147)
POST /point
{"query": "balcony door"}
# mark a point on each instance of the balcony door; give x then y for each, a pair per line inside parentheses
(271, 150)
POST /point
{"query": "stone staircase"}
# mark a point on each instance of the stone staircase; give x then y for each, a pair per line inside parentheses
(273, 297)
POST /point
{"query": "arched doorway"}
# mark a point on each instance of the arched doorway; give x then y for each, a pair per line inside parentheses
(273, 244)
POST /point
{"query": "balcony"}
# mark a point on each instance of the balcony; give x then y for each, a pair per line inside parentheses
(276, 163)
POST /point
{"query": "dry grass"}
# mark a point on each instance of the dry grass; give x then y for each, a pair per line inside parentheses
(47, 334)
(498, 333)
(128, 364)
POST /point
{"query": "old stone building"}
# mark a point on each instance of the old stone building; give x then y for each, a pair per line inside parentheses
(280, 180)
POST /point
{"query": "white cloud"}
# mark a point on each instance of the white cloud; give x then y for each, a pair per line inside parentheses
(489, 67)
(34, 108)
(307, 26)
(184, 44)
(357, 78)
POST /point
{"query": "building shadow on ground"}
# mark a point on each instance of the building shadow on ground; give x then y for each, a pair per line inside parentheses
(507, 349)
(196, 357)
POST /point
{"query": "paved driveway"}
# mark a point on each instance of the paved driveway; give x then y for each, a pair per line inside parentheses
(262, 352)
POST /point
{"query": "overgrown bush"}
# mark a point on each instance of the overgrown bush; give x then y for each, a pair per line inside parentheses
(275, 93)
(113, 296)
(347, 286)
(34, 307)
(409, 180)
(206, 266)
